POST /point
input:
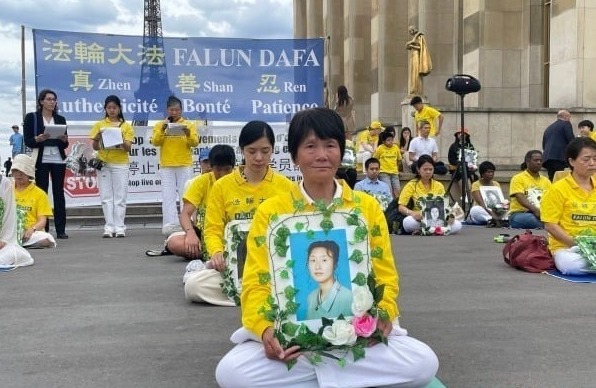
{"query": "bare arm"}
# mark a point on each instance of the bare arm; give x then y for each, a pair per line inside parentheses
(525, 203)
(559, 233)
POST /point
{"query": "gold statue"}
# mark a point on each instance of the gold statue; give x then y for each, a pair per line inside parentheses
(419, 61)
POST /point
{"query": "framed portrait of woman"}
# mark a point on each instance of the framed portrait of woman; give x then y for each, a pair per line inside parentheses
(492, 196)
(316, 264)
(434, 213)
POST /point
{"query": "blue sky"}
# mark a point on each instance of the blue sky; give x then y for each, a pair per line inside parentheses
(232, 18)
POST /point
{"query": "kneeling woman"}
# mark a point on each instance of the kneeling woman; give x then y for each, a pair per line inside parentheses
(417, 188)
(563, 208)
(316, 141)
(33, 203)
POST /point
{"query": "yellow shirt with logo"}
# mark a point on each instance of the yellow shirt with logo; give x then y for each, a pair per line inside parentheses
(476, 187)
(389, 158)
(569, 206)
(233, 198)
(197, 194)
(33, 202)
(429, 114)
(175, 151)
(255, 294)
(113, 155)
(522, 183)
(414, 189)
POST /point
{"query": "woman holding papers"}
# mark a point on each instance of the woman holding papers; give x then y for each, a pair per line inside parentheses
(112, 139)
(49, 152)
(175, 137)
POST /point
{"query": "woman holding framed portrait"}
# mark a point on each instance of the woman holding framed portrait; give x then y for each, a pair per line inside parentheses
(262, 356)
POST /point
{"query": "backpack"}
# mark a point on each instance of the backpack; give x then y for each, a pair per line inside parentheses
(394, 218)
(528, 252)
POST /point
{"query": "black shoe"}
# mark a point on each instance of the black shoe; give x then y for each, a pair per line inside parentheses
(62, 236)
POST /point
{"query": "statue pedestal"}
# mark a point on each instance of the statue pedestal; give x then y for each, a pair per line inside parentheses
(407, 115)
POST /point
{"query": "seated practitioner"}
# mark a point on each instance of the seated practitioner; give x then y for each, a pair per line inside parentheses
(187, 243)
(372, 184)
(235, 197)
(425, 145)
(33, 203)
(367, 142)
(526, 190)
(12, 254)
(422, 185)
(454, 156)
(563, 208)
(586, 128)
(482, 213)
(389, 155)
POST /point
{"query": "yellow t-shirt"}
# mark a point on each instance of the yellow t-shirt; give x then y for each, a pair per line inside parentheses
(175, 151)
(389, 158)
(429, 114)
(569, 206)
(593, 135)
(364, 137)
(476, 187)
(113, 156)
(415, 189)
(233, 198)
(197, 194)
(522, 183)
(255, 294)
(34, 202)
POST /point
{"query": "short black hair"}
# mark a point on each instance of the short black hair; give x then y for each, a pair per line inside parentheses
(222, 155)
(330, 247)
(253, 131)
(424, 159)
(576, 146)
(324, 122)
(386, 134)
(173, 100)
(486, 166)
(371, 160)
(529, 155)
(586, 123)
(416, 100)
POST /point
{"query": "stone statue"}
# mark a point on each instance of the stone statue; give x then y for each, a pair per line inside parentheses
(419, 61)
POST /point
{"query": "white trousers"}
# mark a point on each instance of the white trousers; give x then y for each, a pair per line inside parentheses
(172, 186)
(36, 237)
(570, 262)
(113, 189)
(362, 157)
(204, 287)
(411, 225)
(405, 362)
(479, 215)
(14, 255)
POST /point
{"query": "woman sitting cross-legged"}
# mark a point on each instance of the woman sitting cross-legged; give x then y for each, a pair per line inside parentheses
(567, 208)
(33, 204)
(12, 254)
(485, 212)
(419, 187)
(316, 141)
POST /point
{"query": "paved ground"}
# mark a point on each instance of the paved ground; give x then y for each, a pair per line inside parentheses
(97, 313)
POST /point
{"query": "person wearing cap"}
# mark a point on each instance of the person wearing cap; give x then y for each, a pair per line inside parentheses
(454, 155)
(33, 203)
(367, 143)
(204, 161)
(428, 113)
(16, 141)
(113, 176)
(50, 153)
(12, 254)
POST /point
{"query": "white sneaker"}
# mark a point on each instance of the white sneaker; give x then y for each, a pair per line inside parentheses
(191, 267)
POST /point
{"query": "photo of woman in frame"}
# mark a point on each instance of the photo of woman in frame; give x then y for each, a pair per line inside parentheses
(434, 213)
(325, 288)
(491, 196)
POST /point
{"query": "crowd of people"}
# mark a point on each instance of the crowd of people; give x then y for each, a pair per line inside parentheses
(248, 198)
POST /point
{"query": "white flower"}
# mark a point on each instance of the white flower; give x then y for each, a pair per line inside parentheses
(362, 301)
(341, 332)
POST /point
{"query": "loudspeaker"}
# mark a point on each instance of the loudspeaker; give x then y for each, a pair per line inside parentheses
(462, 84)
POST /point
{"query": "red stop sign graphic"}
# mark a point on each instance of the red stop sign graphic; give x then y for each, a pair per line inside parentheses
(80, 186)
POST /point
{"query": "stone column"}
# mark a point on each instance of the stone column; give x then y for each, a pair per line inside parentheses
(333, 15)
(299, 19)
(314, 18)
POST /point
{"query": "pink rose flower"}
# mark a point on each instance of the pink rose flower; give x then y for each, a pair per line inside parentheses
(438, 231)
(365, 325)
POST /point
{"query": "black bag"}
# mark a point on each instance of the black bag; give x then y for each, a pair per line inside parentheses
(394, 218)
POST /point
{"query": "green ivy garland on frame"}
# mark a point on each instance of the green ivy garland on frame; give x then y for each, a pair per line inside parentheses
(449, 216)
(235, 234)
(313, 336)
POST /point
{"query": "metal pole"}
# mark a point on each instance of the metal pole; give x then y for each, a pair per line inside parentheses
(23, 83)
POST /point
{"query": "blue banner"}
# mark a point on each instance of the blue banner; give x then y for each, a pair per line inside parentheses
(217, 79)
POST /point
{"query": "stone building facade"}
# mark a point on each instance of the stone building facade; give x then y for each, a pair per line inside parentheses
(532, 57)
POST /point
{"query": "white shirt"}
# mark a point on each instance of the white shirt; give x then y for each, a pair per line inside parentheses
(423, 146)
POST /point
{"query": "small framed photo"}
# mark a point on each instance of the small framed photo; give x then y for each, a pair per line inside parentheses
(492, 196)
(235, 255)
(433, 213)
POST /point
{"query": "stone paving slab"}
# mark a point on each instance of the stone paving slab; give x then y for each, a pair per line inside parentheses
(97, 313)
